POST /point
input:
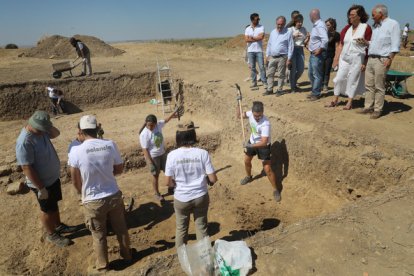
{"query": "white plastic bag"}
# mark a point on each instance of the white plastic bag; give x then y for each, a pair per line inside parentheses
(233, 258)
(197, 259)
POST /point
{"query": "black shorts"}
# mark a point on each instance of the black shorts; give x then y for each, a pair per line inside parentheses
(51, 203)
(262, 153)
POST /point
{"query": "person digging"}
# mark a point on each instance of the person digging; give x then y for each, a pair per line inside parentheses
(258, 144)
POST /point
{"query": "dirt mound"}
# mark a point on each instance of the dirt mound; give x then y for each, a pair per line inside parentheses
(57, 46)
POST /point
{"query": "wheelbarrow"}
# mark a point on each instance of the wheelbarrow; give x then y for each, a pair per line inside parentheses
(64, 67)
(396, 83)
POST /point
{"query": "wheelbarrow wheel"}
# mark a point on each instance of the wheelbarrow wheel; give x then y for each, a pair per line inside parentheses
(57, 75)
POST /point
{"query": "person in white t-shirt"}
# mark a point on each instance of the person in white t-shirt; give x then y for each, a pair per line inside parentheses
(94, 165)
(153, 147)
(254, 35)
(191, 170)
(258, 144)
(56, 97)
(405, 35)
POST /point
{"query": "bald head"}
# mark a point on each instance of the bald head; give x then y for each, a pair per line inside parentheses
(315, 15)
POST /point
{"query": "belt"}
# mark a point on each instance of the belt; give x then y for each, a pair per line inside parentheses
(377, 56)
(278, 56)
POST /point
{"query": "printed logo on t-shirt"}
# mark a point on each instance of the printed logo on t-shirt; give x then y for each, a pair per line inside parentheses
(158, 138)
(189, 160)
(98, 149)
(254, 129)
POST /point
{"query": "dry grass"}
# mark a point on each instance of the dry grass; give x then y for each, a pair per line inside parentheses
(199, 42)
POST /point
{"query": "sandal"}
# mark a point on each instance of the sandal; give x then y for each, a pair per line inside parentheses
(246, 180)
(332, 104)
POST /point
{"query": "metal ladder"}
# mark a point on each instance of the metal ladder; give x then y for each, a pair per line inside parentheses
(165, 87)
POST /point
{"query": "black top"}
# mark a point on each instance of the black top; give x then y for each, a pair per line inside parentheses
(333, 38)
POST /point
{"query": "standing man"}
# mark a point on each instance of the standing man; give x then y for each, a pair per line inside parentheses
(37, 157)
(254, 35)
(317, 46)
(384, 45)
(83, 51)
(278, 55)
(94, 165)
(405, 35)
(258, 144)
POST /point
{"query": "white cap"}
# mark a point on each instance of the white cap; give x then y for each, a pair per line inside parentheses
(88, 122)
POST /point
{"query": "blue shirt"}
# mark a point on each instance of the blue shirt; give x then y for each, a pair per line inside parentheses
(318, 36)
(280, 43)
(38, 151)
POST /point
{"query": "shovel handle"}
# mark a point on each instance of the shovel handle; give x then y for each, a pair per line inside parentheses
(241, 111)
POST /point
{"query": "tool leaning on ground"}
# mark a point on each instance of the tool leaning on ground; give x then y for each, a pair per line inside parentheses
(239, 101)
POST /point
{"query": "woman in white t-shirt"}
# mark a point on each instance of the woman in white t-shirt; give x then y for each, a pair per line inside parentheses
(300, 38)
(152, 144)
(191, 170)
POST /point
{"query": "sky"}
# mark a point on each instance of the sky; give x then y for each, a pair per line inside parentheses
(24, 22)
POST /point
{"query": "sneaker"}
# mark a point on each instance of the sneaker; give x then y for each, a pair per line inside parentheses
(65, 229)
(313, 98)
(325, 88)
(365, 111)
(252, 87)
(159, 197)
(277, 196)
(246, 180)
(278, 93)
(58, 240)
(375, 115)
(268, 92)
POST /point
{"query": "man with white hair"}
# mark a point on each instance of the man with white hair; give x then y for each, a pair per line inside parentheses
(278, 54)
(318, 43)
(384, 45)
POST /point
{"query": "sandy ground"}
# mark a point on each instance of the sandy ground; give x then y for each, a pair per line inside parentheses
(347, 180)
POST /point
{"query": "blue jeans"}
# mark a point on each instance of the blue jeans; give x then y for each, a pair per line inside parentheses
(253, 58)
(316, 72)
(298, 66)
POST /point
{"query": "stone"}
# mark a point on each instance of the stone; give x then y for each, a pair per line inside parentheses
(4, 180)
(5, 170)
(364, 261)
(267, 250)
(14, 188)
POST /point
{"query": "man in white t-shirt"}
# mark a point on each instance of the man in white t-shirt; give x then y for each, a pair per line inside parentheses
(153, 147)
(94, 165)
(405, 35)
(56, 97)
(254, 35)
(258, 144)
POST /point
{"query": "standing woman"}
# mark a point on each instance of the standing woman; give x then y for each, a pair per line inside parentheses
(300, 39)
(350, 78)
(333, 43)
(191, 169)
(152, 144)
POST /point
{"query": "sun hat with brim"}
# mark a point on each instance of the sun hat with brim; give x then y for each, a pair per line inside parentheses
(40, 120)
(187, 125)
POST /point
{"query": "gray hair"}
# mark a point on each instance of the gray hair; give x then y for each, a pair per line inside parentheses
(281, 17)
(380, 8)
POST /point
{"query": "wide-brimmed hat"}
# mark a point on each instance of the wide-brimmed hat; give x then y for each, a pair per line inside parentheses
(186, 125)
(40, 120)
(88, 122)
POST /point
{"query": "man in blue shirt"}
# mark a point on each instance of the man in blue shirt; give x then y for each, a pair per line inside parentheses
(318, 43)
(40, 163)
(279, 53)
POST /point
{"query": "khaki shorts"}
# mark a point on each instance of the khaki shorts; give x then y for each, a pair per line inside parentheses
(159, 162)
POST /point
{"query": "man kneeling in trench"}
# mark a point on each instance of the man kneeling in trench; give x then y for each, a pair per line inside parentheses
(258, 144)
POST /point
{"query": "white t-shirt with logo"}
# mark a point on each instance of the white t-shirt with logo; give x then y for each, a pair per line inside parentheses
(189, 167)
(259, 129)
(95, 158)
(153, 140)
(257, 46)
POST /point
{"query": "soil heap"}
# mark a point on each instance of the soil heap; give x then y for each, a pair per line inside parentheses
(58, 47)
